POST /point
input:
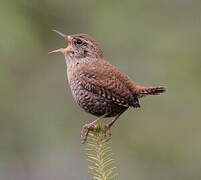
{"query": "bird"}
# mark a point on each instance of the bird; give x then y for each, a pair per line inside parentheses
(97, 86)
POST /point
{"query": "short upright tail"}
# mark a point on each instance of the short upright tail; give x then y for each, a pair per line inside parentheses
(142, 91)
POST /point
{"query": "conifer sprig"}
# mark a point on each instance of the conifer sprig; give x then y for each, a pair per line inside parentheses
(99, 155)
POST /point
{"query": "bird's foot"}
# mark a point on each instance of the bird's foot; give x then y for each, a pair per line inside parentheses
(85, 131)
(108, 128)
(93, 126)
(108, 132)
(103, 131)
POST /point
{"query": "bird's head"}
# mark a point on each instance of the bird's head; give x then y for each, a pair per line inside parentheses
(80, 46)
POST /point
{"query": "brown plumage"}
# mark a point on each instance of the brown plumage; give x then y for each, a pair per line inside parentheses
(97, 86)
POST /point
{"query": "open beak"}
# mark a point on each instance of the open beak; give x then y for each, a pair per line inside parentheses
(62, 50)
(61, 34)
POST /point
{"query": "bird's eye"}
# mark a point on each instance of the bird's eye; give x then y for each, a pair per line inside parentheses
(78, 41)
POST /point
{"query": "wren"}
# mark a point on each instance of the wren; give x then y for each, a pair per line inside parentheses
(98, 87)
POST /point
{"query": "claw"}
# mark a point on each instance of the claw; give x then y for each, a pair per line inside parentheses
(89, 127)
(85, 131)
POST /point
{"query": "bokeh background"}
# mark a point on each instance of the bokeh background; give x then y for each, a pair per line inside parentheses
(155, 42)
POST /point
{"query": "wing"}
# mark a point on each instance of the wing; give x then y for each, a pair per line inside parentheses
(107, 81)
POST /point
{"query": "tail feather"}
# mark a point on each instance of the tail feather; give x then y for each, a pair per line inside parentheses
(142, 91)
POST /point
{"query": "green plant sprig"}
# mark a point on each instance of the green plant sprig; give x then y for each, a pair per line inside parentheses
(99, 155)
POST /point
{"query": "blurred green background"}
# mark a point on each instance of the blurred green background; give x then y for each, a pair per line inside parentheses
(155, 42)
